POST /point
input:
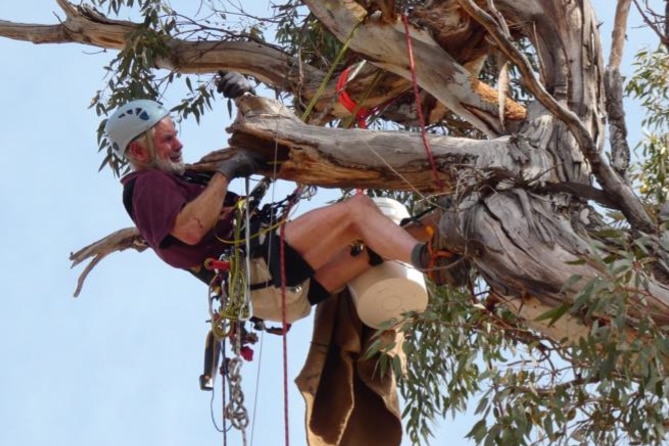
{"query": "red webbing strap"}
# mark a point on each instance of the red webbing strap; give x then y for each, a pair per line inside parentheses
(362, 113)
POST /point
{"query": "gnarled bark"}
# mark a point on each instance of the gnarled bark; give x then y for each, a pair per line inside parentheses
(268, 64)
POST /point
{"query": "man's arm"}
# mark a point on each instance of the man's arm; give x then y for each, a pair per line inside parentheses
(199, 216)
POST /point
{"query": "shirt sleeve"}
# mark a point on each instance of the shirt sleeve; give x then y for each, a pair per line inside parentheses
(157, 200)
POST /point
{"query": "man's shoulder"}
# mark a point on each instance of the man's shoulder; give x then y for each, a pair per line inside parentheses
(148, 176)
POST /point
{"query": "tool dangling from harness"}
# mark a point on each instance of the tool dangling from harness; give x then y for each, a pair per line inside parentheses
(230, 281)
(227, 284)
(225, 321)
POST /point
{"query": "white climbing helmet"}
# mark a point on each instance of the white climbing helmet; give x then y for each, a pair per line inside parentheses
(131, 120)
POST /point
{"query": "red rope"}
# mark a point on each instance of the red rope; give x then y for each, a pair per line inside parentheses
(419, 105)
(362, 114)
(285, 326)
(284, 333)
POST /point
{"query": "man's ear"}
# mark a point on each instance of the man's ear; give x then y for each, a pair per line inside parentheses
(138, 152)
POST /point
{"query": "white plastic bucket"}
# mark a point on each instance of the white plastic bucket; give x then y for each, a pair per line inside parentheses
(384, 292)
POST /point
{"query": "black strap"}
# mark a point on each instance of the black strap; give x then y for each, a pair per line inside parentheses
(201, 178)
(261, 285)
(128, 189)
(203, 274)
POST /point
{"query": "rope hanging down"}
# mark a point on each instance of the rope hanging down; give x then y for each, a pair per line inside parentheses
(419, 104)
(231, 288)
(284, 336)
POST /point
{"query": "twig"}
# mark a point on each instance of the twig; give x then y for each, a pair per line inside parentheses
(117, 241)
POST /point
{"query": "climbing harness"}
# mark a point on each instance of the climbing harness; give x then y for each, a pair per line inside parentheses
(229, 305)
(231, 289)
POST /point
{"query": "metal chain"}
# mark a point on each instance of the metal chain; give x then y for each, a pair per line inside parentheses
(226, 323)
(235, 411)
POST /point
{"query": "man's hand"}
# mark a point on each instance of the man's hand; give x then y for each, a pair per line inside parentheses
(242, 164)
(233, 84)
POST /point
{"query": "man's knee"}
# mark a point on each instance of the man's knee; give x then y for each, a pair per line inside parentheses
(360, 204)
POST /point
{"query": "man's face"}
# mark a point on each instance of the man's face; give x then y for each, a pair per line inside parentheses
(167, 146)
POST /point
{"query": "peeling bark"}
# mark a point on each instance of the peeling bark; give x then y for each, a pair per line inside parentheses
(523, 244)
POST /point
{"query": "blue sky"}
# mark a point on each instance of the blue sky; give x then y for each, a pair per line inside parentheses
(119, 364)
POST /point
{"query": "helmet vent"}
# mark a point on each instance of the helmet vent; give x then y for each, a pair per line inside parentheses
(139, 112)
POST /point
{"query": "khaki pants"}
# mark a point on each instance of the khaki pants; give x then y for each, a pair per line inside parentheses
(267, 301)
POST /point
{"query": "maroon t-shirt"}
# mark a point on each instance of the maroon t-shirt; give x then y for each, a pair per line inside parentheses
(157, 199)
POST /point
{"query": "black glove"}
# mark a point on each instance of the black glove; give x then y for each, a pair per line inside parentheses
(242, 164)
(233, 84)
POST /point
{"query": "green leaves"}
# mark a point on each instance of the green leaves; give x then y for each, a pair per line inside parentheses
(606, 388)
(650, 85)
(470, 351)
(133, 73)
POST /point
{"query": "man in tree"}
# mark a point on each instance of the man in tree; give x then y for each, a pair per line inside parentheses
(187, 221)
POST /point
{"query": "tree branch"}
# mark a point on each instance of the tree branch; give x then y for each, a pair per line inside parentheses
(120, 240)
(620, 151)
(629, 203)
(465, 95)
(381, 159)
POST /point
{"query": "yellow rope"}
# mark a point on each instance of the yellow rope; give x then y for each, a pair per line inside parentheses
(330, 72)
(237, 307)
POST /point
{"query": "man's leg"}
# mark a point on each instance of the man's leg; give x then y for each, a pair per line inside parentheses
(341, 269)
(321, 234)
(345, 266)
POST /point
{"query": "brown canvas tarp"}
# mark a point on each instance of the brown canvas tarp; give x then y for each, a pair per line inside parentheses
(348, 402)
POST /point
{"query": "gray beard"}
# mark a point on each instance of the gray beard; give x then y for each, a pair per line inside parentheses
(170, 166)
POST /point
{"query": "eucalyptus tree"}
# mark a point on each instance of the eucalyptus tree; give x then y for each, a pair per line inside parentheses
(496, 114)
